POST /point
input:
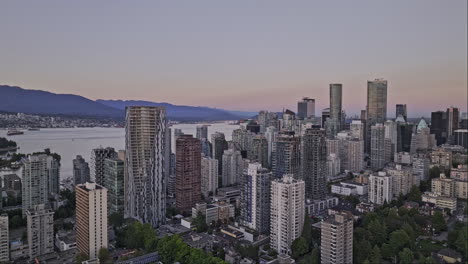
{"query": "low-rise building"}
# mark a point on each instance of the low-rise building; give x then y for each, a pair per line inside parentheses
(317, 207)
(349, 188)
(65, 241)
(440, 201)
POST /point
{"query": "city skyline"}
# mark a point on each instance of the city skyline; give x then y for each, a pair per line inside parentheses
(232, 54)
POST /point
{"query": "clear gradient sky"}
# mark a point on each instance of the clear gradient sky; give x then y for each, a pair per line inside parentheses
(240, 55)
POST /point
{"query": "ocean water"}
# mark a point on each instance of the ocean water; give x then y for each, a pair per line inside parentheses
(69, 142)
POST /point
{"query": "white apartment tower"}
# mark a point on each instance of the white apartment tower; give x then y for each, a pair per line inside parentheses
(40, 227)
(147, 163)
(337, 239)
(287, 212)
(4, 239)
(233, 167)
(91, 219)
(380, 188)
(209, 175)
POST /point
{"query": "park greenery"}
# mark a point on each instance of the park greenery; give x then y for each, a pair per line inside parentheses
(171, 249)
(5, 143)
(305, 249)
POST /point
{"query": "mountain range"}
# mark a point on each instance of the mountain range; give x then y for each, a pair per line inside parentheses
(18, 100)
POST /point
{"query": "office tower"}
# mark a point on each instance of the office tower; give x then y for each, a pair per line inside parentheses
(460, 137)
(80, 170)
(219, 144)
(286, 212)
(255, 198)
(209, 176)
(422, 140)
(91, 218)
(357, 129)
(40, 221)
(401, 111)
(337, 238)
(391, 133)
(114, 175)
(376, 109)
(146, 157)
(259, 150)
(289, 122)
(205, 148)
(439, 126)
(188, 172)
(41, 174)
(177, 133)
(4, 239)
(267, 119)
(325, 117)
(286, 155)
(233, 166)
(243, 140)
(380, 188)
(202, 132)
(453, 119)
(171, 183)
(464, 121)
(377, 153)
(333, 165)
(270, 135)
(420, 165)
(404, 135)
(334, 124)
(333, 146)
(253, 127)
(314, 163)
(355, 155)
(98, 156)
(306, 108)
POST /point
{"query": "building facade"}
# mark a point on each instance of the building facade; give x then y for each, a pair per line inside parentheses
(376, 110)
(98, 156)
(81, 172)
(314, 163)
(233, 167)
(40, 228)
(147, 164)
(209, 176)
(91, 219)
(4, 239)
(337, 239)
(114, 178)
(188, 172)
(286, 155)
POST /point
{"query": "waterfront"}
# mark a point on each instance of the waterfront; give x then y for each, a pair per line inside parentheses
(69, 142)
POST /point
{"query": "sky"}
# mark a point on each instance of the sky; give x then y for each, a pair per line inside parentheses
(239, 55)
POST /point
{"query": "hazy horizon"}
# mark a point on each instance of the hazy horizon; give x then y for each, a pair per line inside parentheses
(240, 55)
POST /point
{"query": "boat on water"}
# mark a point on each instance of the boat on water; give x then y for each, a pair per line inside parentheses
(14, 132)
(33, 129)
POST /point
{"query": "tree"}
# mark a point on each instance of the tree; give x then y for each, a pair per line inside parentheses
(375, 257)
(406, 256)
(364, 249)
(438, 222)
(378, 232)
(409, 231)
(414, 194)
(434, 172)
(200, 222)
(307, 232)
(116, 220)
(80, 257)
(104, 256)
(299, 247)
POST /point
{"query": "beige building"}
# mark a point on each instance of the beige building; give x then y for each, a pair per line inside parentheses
(402, 179)
(287, 212)
(4, 239)
(441, 158)
(91, 218)
(380, 188)
(448, 187)
(460, 173)
(40, 230)
(440, 201)
(337, 239)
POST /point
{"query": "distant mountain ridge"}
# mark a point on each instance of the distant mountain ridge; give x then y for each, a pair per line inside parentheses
(18, 100)
(182, 112)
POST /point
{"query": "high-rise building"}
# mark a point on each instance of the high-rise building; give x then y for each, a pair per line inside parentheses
(453, 119)
(350, 150)
(286, 212)
(147, 164)
(41, 174)
(404, 135)
(219, 144)
(422, 140)
(380, 188)
(401, 111)
(376, 109)
(337, 238)
(98, 156)
(391, 133)
(233, 166)
(267, 119)
(80, 170)
(314, 163)
(286, 155)
(91, 219)
(357, 129)
(209, 176)
(306, 108)
(259, 150)
(114, 175)
(325, 117)
(4, 239)
(40, 228)
(255, 198)
(270, 135)
(377, 153)
(202, 132)
(333, 165)
(403, 179)
(460, 137)
(243, 141)
(420, 165)
(188, 172)
(439, 126)
(334, 124)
